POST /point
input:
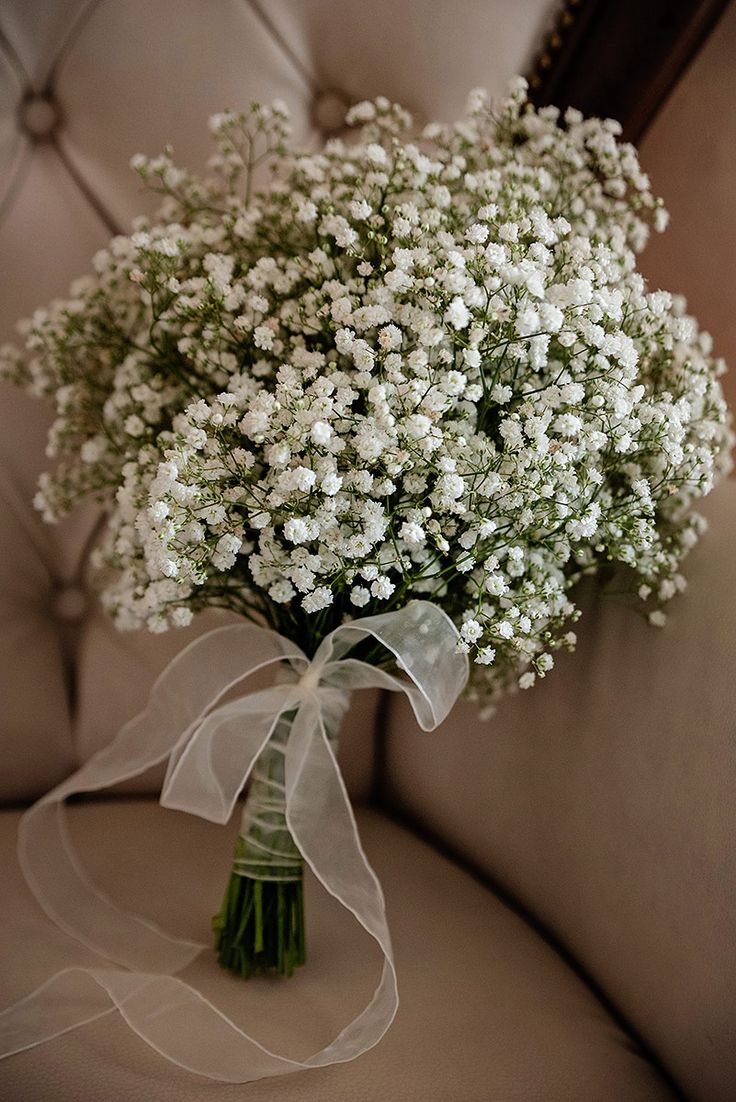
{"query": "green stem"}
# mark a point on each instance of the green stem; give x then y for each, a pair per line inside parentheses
(260, 926)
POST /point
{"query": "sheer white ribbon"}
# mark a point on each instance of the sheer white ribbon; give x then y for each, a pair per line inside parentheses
(211, 751)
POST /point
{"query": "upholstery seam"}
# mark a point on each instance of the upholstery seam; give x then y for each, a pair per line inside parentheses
(298, 64)
(15, 506)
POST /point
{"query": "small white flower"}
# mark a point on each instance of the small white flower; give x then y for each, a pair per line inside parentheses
(331, 484)
(134, 426)
(296, 530)
(376, 154)
(363, 355)
(477, 234)
(319, 598)
(320, 432)
(412, 534)
(457, 314)
(303, 478)
(390, 337)
(359, 596)
(471, 631)
(486, 656)
(360, 210)
(451, 486)
(93, 450)
(263, 337)
(382, 588)
(282, 592)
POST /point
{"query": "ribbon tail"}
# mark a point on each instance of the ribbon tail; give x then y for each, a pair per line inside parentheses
(57, 1006)
(169, 1015)
(176, 1020)
(78, 907)
(320, 817)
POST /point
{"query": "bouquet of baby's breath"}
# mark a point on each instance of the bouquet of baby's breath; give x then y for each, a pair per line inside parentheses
(409, 367)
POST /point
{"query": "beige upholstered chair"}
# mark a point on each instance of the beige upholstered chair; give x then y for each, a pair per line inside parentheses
(560, 880)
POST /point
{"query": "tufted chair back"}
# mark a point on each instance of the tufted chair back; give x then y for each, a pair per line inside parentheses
(84, 84)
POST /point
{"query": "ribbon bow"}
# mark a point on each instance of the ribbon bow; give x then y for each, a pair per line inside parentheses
(211, 749)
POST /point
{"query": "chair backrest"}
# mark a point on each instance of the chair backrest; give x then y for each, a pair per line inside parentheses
(603, 800)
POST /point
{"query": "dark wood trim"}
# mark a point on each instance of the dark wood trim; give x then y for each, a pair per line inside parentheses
(621, 58)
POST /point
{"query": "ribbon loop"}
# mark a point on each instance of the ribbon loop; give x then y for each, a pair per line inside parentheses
(211, 749)
(212, 766)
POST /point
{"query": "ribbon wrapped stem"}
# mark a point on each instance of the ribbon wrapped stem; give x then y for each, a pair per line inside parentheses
(260, 926)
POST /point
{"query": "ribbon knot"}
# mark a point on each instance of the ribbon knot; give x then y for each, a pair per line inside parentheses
(211, 748)
(310, 679)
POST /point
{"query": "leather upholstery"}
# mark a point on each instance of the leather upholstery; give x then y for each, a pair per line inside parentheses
(488, 1010)
(603, 800)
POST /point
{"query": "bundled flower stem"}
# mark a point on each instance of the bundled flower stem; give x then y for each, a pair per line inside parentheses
(260, 926)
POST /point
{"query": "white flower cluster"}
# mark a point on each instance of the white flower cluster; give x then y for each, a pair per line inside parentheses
(407, 368)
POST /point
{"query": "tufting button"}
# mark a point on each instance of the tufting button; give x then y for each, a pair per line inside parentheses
(69, 603)
(39, 116)
(329, 111)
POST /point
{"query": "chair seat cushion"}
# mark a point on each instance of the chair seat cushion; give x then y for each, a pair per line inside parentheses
(488, 1009)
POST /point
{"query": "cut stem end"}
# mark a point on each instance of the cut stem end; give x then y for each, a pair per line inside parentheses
(260, 926)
